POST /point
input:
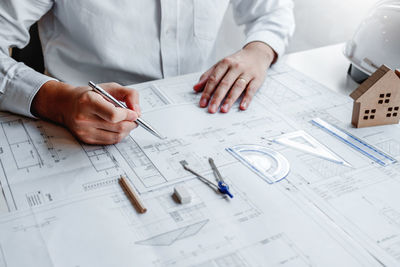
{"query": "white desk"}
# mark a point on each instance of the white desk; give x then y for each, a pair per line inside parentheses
(326, 65)
(67, 196)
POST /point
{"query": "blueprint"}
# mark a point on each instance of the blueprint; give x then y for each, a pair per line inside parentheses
(63, 205)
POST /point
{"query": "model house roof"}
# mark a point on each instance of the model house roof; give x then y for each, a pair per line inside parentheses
(365, 86)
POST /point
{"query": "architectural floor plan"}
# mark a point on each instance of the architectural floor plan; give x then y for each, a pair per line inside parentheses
(63, 205)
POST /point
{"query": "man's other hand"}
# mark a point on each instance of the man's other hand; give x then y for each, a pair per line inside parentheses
(241, 73)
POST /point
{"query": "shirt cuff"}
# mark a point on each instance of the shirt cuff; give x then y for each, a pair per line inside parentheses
(20, 91)
(269, 38)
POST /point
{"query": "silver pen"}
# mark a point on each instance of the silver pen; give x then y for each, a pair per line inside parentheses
(139, 121)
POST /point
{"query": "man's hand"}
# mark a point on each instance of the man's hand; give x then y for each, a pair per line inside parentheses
(87, 114)
(243, 71)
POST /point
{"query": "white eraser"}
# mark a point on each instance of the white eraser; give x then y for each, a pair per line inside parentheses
(182, 194)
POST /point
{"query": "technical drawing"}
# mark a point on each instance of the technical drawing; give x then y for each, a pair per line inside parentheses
(392, 147)
(101, 183)
(279, 93)
(37, 198)
(324, 169)
(229, 260)
(276, 250)
(390, 214)
(140, 163)
(22, 147)
(6, 191)
(280, 88)
(49, 144)
(262, 226)
(303, 85)
(151, 97)
(181, 93)
(35, 225)
(257, 122)
(170, 145)
(189, 213)
(100, 158)
(168, 238)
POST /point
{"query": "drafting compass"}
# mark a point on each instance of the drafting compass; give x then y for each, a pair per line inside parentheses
(220, 186)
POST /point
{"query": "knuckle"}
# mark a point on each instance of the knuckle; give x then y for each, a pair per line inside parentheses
(135, 116)
(235, 64)
(114, 117)
(119, 137)
(229, 100)
(226, 61)
(84, 136)
(80, 133)
(78, 118)
(120, 127)
(224, 83)
(127, 127)
(84, 99)
(212, 79)
(132, 126)
(206, 95)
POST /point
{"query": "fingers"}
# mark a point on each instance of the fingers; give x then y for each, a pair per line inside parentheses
(213, 80)
(124, 94)
(95, 120)
(198, 87)
(236, 91)
(96, 136)
(223, 87)
(96, 104)
(251, 90)
(240, 72)
(120, 127)
(94, 130)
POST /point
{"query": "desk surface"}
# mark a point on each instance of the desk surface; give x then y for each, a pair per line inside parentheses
(326, 65)
(71, 211)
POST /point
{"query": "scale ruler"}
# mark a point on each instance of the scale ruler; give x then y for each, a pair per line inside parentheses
(356, 143)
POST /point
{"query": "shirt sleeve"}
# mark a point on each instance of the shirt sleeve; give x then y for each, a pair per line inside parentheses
(268, 21)
(18, 82)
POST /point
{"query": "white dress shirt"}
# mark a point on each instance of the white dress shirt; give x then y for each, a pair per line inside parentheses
(126, 41)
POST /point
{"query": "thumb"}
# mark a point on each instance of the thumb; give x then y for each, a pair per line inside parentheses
(130, 115)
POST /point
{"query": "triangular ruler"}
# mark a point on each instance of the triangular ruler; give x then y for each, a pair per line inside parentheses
(302, 141)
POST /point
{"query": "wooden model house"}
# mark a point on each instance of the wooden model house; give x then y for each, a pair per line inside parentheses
(377, 100)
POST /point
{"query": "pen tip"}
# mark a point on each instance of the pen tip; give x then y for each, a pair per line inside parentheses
(162, 137)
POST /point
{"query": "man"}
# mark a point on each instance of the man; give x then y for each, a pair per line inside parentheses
(131, 41)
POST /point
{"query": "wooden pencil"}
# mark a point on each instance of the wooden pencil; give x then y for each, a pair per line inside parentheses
(133, 197)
